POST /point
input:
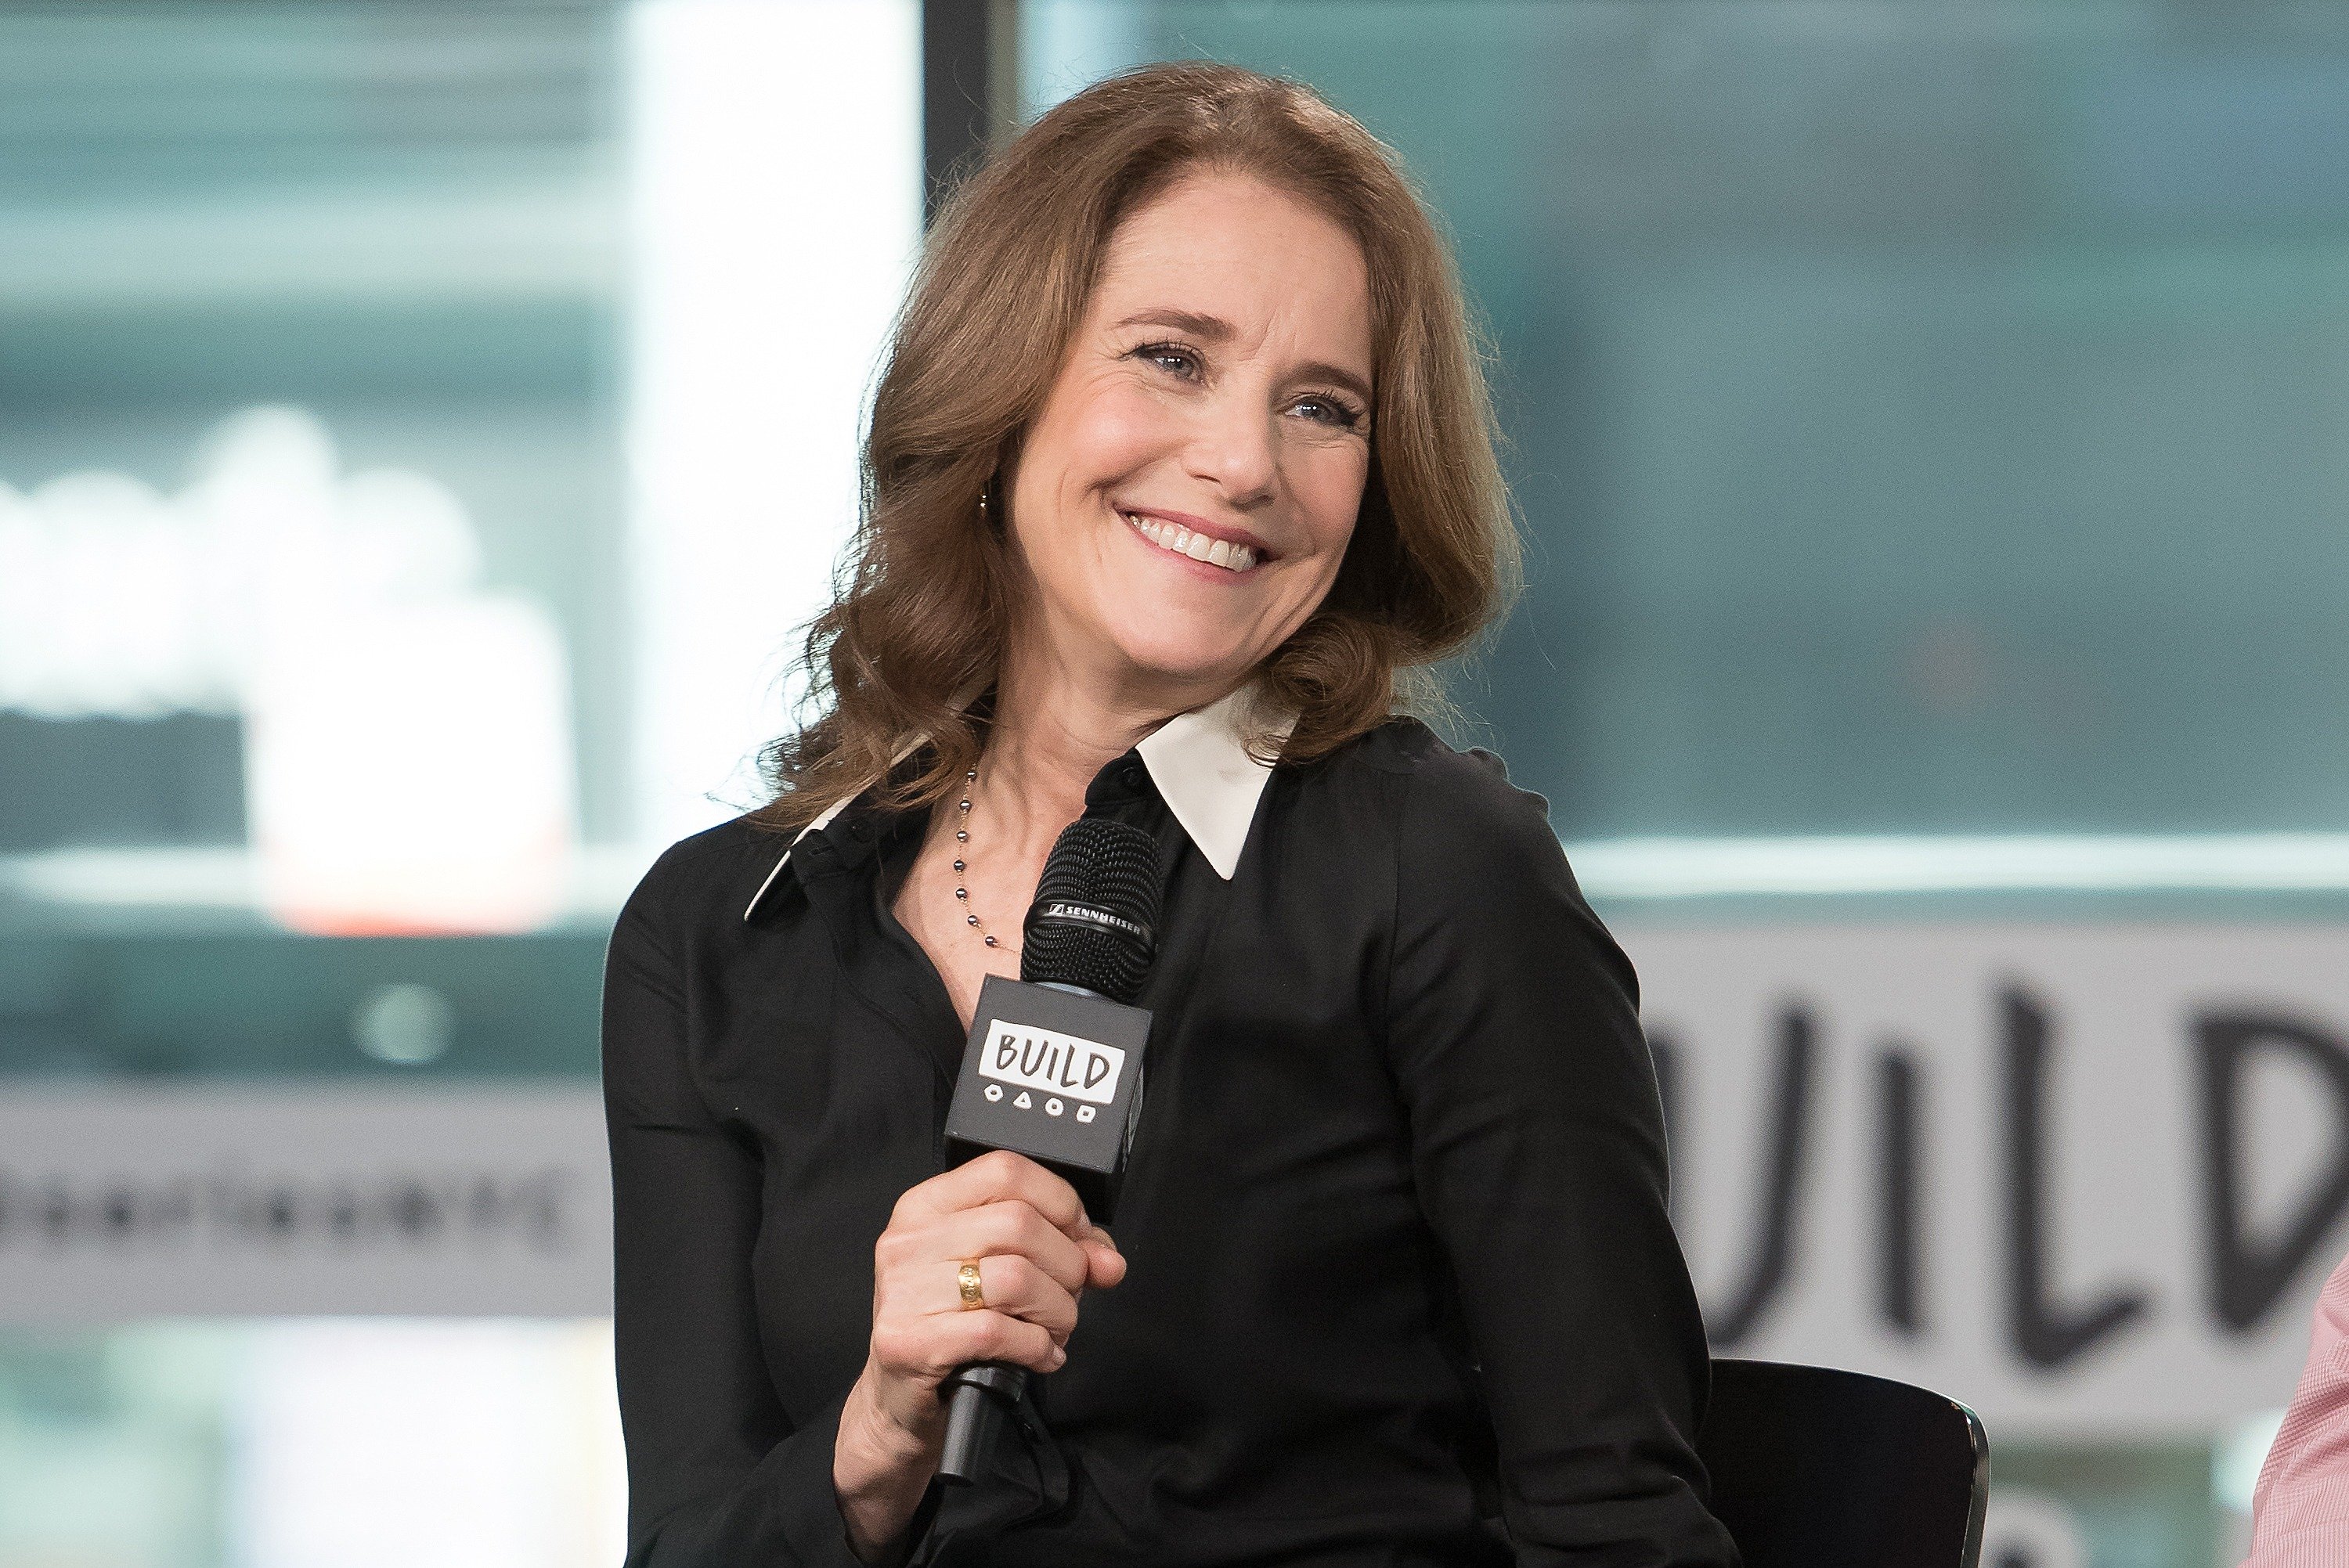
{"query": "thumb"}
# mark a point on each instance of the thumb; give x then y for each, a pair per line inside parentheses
(1105, 1266)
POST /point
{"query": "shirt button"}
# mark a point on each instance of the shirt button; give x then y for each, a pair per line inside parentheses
(859, 831)
(1131, 778)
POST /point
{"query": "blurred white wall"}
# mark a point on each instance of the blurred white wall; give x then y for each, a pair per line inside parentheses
(776, 172)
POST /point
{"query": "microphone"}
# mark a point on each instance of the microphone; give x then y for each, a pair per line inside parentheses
(1053, 1066)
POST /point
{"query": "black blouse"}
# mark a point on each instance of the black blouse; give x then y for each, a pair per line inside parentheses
(1402, 1289)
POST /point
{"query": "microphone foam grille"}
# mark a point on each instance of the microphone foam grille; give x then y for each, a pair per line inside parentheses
(1094, 922)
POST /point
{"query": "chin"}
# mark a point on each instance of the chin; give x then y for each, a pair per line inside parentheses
(1192, 659)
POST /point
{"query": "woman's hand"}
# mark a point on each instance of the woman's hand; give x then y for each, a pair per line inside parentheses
(1036, 1252)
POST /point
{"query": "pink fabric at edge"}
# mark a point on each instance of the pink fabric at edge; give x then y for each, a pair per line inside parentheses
(2300, 1513)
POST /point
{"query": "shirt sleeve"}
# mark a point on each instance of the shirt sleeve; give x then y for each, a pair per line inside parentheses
(717, 1475)
(2300, 1510)
(1538, 1151)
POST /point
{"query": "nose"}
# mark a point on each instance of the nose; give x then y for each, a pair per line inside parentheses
(1236, 449)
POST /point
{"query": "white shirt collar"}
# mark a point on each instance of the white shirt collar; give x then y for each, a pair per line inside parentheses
(1201, 764)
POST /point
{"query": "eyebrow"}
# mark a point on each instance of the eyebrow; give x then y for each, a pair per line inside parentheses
(1215, 329)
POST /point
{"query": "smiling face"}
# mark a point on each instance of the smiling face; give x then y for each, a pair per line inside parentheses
(1183, 501)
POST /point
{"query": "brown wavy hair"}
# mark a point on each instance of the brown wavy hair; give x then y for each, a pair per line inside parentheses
(922, 605)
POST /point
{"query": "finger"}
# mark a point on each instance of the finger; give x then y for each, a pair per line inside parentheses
(995, 1177)
(928, 1349)
(1015, 1286)
(908, 1263)
(1105, 1266)
(1010, 1227)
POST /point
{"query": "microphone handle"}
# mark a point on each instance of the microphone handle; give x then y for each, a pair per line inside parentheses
(980, 1395)
(978, 1398)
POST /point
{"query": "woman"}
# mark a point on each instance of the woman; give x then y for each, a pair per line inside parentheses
(1180, 467)
(2300, 1509)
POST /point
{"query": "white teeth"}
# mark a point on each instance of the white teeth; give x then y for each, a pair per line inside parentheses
(1197, 546)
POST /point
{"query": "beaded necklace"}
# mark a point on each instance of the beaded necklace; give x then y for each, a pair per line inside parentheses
(962, 842)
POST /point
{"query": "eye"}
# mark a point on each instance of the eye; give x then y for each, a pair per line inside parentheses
(1325, 409)
(1171, 358)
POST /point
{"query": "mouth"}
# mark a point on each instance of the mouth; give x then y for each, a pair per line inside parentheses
(1195, 543)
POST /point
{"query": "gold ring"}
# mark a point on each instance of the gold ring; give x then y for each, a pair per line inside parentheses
(966, 1277)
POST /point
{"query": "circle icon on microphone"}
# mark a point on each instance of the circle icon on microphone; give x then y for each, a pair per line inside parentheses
(1052, 1107)
(1024, 1102)
(1084, 1113)
(994, 1091)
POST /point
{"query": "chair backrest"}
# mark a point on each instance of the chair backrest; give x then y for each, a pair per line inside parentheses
(1816, 1468)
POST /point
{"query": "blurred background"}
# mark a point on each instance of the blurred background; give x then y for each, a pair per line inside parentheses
(422, 424)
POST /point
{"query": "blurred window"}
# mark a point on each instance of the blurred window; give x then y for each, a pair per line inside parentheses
(422, 428)
(422, 424)
(1929, 420)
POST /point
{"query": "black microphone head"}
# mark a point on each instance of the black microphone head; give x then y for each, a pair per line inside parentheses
(1094, 924)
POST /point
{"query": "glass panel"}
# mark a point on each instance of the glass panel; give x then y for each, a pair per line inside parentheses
(1927, 423)
(1926, 419)
(416, 445)
(312, 598)
(416, 449)
(311, 1443)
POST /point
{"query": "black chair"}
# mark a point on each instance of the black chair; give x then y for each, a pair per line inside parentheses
(1816, 1468)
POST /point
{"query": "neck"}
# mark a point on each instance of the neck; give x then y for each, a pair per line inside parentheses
(1056, 726)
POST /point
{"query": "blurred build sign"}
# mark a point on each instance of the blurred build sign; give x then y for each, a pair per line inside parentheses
(2088, 1179)
(253, 1201)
